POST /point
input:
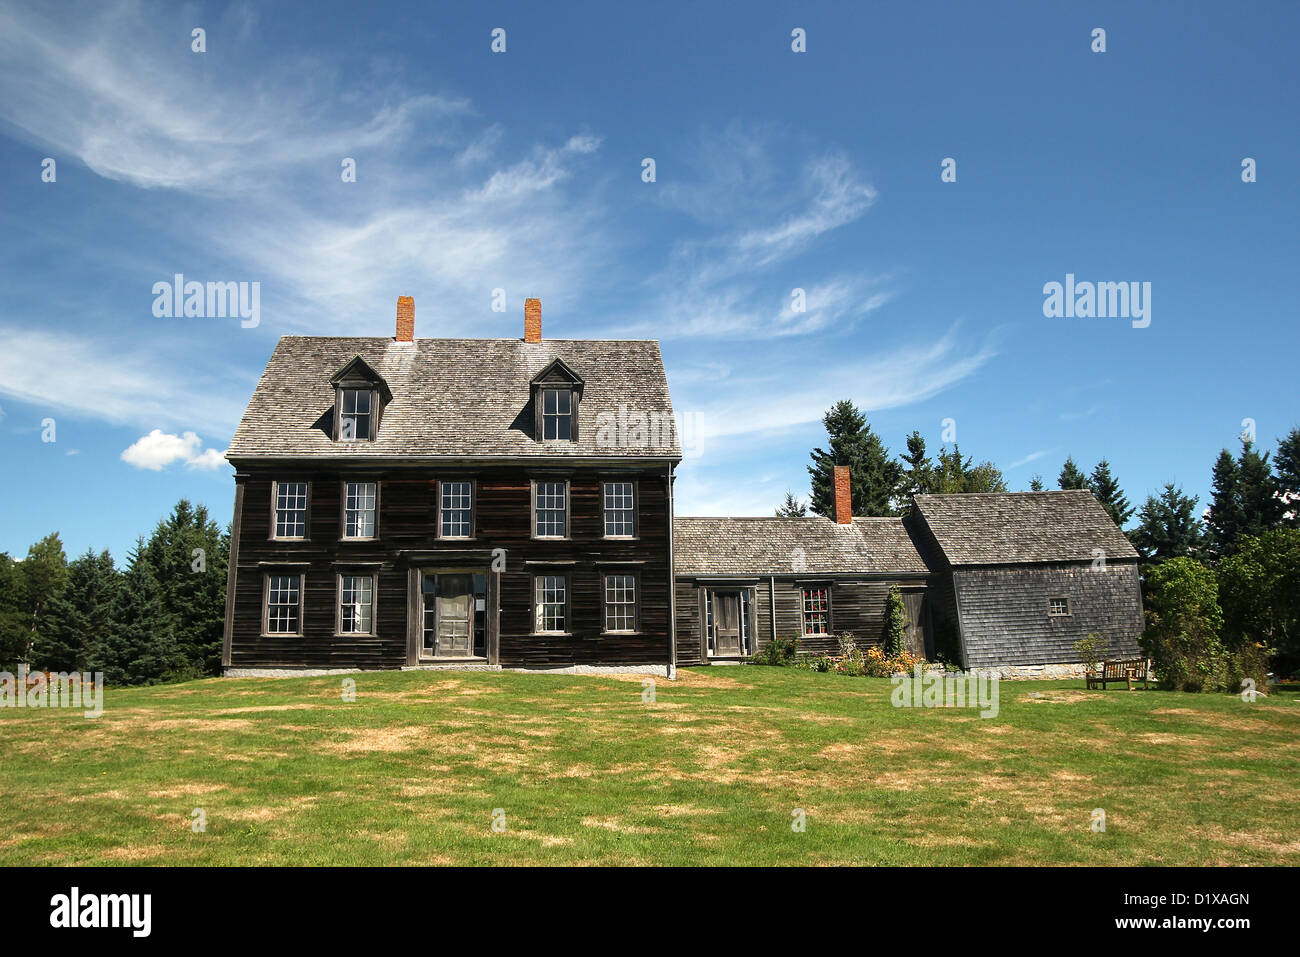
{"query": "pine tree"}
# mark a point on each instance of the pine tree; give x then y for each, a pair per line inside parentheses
(42, 576)
(1260, 505)
(1036, 484)
(188, 553)
(1226, 517)
(1071, 476)
(873, 473)
(791, 507)
(1286, 463)
(1168, 527)
(918, 474)
(140, 647)
(1107, 490)
(73, 624)
(15, 630)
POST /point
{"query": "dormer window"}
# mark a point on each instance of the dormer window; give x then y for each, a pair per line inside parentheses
(557, 391)
(557, 414)
(356, 415)
(360, 394)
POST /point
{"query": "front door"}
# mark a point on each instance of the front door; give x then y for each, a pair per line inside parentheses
(726, 624)
(448, 615)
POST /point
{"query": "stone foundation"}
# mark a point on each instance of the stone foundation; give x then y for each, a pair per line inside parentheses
(1075, 670)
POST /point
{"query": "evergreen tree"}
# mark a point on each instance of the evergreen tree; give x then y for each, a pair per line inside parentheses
(1260, 505)
(1244, 500)
(15, 631)
(188, 554)
(140, 647)
(873, 473)
(1168, 527)
(1286, 462)
(1071, 476)
(1226, 517)
(1108, 492)
(42, 576)
(791, 507)
(73, 624)
(918, 473)
(1036, 484)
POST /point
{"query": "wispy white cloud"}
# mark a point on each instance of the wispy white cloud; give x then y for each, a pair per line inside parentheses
(159, 449)
(1031, 457)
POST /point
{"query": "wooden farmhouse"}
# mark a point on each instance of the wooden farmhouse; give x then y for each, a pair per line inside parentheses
(406, 502)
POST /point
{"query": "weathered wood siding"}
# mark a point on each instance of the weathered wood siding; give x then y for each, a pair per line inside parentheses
(407, 523)
(1005, 620)
(857, 606)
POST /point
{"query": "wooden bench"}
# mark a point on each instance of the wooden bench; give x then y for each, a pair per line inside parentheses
(1127, 670)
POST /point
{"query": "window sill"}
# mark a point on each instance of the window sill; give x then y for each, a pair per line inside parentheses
(551, 634)
(277, 538)
(620, 634)
(353, 538)
(279, 634)
(354, 634)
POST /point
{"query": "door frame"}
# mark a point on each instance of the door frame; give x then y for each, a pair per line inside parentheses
(415, 611)
(749, 626)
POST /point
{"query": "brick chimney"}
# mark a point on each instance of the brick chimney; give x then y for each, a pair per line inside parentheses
(843, 496)
(532, 320)
(405, 319)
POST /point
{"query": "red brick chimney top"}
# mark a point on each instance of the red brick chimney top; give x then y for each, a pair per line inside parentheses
(843, 496)
(405, 319)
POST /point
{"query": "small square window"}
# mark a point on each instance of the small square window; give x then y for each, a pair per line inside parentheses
(1058, 607)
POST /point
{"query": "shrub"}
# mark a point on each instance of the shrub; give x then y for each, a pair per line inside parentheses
(895, 622)
(1183, 622)
(878, 664)
(779, 652)
(1259, 591)
(816, 663)
(1091, 650)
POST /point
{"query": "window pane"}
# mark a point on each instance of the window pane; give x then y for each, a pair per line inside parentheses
(282, 593)
(356, 604)
(455, 508)
(557, 414)
(354, 415)
(549, 602)
(551, 518)
(291, 509)
(359, 509)
(620, 510)
(620, 602)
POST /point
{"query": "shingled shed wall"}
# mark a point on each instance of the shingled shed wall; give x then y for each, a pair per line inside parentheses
(1005, 620)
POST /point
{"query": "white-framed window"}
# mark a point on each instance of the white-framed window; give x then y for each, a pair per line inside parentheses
(356, 415)
(551, 603)
(620, 509)
(1058, 607)
(360, 501)
(283, 604)
(551, 510)
(456, 509)
(816, 610)
(290, 509)
(620, 602)
(746, 609)
(557, 414)
(356, 604)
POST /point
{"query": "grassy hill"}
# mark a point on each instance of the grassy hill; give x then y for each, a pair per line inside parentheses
(585, 771)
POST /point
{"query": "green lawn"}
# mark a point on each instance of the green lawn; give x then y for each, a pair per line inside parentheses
(586, 773)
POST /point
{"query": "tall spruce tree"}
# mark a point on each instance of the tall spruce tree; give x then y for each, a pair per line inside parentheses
(874, 474)
(1168, 527)
(141, 644)
(75, 623)
(1286, 463)
(791, 507)
(1036, 484)
(188, 553)
(1071, 476)
(1244, 500)
(1107, 490)
(918, 471)
(15, 630)
(1226, 516)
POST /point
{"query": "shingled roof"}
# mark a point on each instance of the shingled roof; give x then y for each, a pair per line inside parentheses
(785, 546)
(997, 528)
(454, 397)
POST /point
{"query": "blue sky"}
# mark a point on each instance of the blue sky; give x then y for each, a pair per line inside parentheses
(775, 170)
